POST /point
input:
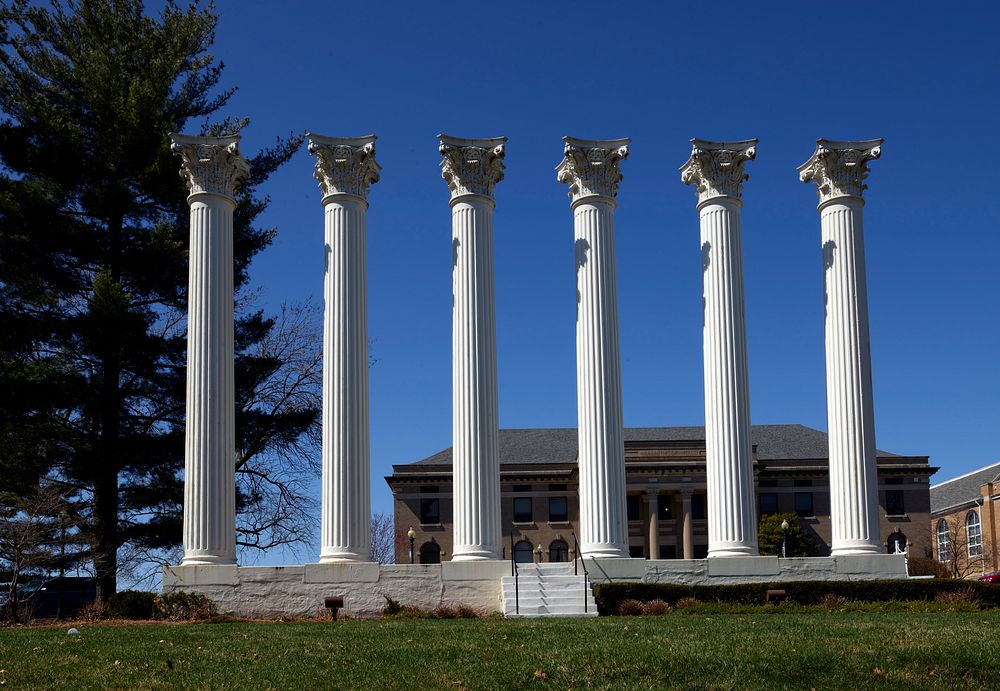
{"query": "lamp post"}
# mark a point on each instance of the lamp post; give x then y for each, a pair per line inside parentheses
(411, 533)
(538, 551)
(784, 538)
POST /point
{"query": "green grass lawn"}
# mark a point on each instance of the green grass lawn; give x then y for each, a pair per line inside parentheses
(839, 650)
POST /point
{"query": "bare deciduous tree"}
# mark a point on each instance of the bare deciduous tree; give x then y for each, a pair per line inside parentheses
(961, 547)
(383, 539)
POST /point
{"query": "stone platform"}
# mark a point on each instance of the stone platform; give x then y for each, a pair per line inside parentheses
(263, 591)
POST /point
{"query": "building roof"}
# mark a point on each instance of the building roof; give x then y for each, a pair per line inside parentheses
(559, 445)
(962, 489)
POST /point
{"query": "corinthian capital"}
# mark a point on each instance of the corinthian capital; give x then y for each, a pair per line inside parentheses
(472, 166)
(210, 165)
(839, 169)
(344, 165)
(591, 166)
(716, 168)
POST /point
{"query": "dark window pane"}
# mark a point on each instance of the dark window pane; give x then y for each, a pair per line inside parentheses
(635, 551)
(894, 502)
(668, 551)
(557, 509)
(522, 510)
(700, 551)
(430, 510)
(430, 553)
(768, 503)
(558, 551)
(665, 507)
(523, 553)
(632, 507)
(804, 504)
(698, 506)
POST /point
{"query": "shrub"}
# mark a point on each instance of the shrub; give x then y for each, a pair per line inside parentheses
(132, 604)
(392, 607)
(181, 606)
(444, 612)
(961, 596)
(833, 600)
(685, 602)
(466, 612)
(655, 608)
(630, 608)
(927, 566)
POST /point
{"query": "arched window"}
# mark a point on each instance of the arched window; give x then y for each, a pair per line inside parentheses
(430, 553)
(943, 541)
(523, 553)
(558, 551)
(897, 543)
(974, 530)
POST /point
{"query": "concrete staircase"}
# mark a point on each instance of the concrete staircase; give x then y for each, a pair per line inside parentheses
(548, 590)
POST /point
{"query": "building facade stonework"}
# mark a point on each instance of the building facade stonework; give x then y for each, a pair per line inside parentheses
(965, 523)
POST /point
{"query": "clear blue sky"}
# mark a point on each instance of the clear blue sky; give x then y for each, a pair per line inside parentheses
(924, 78)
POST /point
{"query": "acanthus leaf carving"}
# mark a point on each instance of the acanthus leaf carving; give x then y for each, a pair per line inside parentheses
(472, 166)
(592, 167)
(210, 165)
(345, 165)
(839, 169)
(716, 168)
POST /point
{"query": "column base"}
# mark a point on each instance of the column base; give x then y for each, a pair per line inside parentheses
(604, 551)
(475, 553)
(849, 547)
(336, 557)
(208, 560)
(732, 549)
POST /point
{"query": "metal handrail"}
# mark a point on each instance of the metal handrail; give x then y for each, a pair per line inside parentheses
(586, 574)
(514, 573)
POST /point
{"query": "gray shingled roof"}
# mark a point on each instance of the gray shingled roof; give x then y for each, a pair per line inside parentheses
(538, 446)
(963, 488)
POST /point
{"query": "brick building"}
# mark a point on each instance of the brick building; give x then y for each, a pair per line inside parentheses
(965, 522)
(665, 488)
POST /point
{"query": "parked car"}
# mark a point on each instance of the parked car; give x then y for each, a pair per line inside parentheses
(43, 597)
(991, 577)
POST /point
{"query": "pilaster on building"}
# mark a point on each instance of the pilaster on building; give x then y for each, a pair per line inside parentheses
(592, 170)
(472, 168)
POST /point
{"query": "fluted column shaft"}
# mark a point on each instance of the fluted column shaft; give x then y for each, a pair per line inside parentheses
(838, 169)
(476, 471)
(732, 516)
(210, 442)
(603, 523)
(346, 505)
(211, 167)
(345, 168)
(850, 415)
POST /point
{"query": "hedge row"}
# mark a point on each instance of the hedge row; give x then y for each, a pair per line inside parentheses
(610, 595)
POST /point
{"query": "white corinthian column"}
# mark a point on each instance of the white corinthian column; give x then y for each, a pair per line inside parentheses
(345, 168)
(591, 169)
(716, 171)
(838, 169)
(472, 168)
(212, 167)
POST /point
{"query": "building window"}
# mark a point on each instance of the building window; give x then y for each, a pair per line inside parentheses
(522, 510)
(558, 511)
(701, 551)
(523, 553)
(943, 541)
(698, 507)
(768, 503)
(430, 553)
(894, 502)
(430, 512)
(558, 551)
(668, 551)
(804, 504)
(632, 507)
(974, 530)
(664, 507)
